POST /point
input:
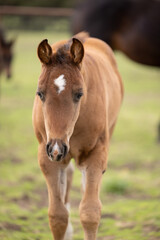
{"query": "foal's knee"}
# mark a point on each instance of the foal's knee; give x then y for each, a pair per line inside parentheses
(90, 214)
(58, 221)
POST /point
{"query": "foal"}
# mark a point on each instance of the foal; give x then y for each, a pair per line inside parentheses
(75, 110)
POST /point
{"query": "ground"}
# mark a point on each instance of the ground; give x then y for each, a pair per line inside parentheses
(130, 190)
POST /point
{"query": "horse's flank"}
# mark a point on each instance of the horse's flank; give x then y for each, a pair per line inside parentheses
(131, 26)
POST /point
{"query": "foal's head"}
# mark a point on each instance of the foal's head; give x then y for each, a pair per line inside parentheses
(60, 89)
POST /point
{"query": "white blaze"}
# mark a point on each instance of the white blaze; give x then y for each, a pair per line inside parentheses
(60, 82)
(56, 148)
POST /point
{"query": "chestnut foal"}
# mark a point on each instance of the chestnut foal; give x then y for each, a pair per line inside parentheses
(75, 110)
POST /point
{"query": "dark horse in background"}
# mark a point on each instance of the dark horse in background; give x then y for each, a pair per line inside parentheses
(6, 54)
(131, 26)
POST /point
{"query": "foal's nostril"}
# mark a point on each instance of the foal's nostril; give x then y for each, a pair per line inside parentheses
(65, 149)
(59, 156)
(48, 149)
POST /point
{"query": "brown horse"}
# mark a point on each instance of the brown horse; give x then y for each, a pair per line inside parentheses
(6, 54)
(75, 110)
(130, 26)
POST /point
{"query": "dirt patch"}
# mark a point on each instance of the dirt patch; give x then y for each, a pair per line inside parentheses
(24, 201)
(24, 218)
(10, 226)
(39, 199)
(16, 160)
(42, 197)
(28, 178)
(109, 215)
(124, 225)
(150, 227)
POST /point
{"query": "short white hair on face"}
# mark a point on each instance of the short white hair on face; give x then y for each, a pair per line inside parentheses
(60, 82)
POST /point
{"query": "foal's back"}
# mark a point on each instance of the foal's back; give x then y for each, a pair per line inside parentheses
(103, 77)
(103, 97)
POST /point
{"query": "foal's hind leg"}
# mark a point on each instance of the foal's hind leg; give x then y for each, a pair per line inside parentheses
(54, 173)
(69, 171)
(90, 206)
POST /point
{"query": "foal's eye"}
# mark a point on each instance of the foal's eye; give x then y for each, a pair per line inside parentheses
(41, 95)
(77, 96)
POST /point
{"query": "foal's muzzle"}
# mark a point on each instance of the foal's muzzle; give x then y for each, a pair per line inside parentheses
(56, 150)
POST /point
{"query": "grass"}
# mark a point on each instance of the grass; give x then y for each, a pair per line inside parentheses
(130, 190)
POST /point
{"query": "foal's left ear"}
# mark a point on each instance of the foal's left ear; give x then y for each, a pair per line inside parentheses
(44, 52)
(77, 51)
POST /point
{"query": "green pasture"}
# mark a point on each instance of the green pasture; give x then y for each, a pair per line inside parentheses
(130, 190)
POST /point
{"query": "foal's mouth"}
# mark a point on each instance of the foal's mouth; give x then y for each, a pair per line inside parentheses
(56, 150)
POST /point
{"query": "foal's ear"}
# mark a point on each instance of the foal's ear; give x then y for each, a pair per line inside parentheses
(77, 51)
(44, 52)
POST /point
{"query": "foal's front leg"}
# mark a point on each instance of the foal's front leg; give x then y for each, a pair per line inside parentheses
(90, 206)
(54, 173)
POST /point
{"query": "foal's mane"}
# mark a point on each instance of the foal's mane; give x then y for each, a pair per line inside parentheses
(62, 54)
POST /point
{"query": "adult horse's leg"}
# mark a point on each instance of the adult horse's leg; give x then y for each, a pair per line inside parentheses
(90, 206)
(54, 173)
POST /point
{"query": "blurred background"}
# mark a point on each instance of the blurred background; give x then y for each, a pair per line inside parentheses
(130, 190)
